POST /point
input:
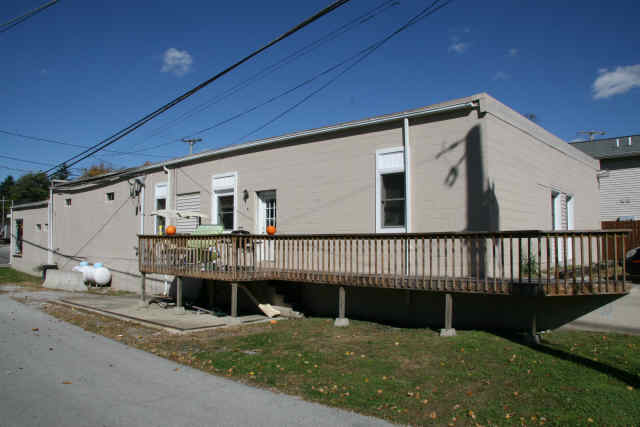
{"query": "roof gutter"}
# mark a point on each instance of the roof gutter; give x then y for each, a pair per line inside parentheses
(289, 137)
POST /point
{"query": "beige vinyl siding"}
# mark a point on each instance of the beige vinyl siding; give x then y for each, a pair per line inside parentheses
(620, 190)
(470, 170)
(527, 163)
(35, 242)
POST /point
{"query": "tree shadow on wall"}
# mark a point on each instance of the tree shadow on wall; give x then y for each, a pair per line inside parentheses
(483, 210)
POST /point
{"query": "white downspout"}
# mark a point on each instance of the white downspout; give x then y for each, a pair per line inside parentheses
(12, 236)
(407, 188)
(407, 177)
(169, 194)
(50, 231)
(142, 210)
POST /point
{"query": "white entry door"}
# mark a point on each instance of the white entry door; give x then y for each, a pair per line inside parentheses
(266, 216)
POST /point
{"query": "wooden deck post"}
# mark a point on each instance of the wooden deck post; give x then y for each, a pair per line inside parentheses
(211, 292)
(448, 330)
(342, 320)
(234, 299)
(143, 286)
(532, 336)
(179, 305)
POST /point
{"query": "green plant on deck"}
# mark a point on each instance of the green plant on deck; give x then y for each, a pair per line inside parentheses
(529, 265)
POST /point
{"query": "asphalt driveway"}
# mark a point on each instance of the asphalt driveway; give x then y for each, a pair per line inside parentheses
(57, 374)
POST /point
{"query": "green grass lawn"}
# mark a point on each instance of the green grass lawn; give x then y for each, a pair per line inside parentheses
(413, 376)
(9, 275)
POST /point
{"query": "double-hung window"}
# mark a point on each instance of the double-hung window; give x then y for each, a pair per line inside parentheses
(391, 200)
(223, 201)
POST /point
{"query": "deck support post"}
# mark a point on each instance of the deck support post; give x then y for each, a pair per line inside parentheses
(342, 320)
(179, 305)
(143, 289)
(234, 299)
(448, 330)
(211, 292)
(532, 337)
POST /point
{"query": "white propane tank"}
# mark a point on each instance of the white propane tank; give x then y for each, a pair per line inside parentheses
(82, 268)
(101, 274)
(87, 273)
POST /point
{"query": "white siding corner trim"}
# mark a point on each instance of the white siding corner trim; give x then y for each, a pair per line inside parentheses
(388, 160)
(224, 183)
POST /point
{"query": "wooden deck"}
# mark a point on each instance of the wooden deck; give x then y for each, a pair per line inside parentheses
(532, 262)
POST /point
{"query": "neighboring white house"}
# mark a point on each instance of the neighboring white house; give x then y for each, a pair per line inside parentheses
(619, 177)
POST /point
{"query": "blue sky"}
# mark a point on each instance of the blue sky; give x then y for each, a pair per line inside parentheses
(80, 71)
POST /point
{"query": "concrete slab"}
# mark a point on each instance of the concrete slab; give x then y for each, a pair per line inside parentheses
(622, 315)
(128, 308)
(65, 280)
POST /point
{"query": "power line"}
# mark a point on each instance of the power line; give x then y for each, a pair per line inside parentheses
(356, 59)
(12, 23)
(25, 161)
(15, 169)
(53, 141)
(363, 54)
(122, 133)
(270, 69)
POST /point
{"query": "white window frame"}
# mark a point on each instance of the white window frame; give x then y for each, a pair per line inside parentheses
(384, 170)
(224, 191)
(157, 196)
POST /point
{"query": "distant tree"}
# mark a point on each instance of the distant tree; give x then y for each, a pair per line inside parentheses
(6, 187)
(96, 170)
(61, 173)
(30, 187)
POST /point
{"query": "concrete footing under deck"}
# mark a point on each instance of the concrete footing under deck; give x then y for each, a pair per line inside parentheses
(128, 308)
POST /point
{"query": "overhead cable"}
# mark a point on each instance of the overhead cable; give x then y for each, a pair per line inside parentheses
(135, 125)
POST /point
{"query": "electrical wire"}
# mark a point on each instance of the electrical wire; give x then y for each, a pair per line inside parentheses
(135, 125)
(270, 69)
(12, 23)
(53, 141)
(355, 59)
(359, 57)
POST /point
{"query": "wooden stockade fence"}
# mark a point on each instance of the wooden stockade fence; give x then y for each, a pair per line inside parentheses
(508, 262)
(633, 238)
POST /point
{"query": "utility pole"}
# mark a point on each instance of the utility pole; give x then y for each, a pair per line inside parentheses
(591, 133)
(191, 143)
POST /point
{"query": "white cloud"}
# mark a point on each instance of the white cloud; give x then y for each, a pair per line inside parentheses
(176, 61)
(501, 75)
(513, 51)
(458, 47)
(616, 82)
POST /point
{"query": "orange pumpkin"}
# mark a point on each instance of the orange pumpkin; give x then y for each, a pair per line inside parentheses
(171, 230)
(271, 230)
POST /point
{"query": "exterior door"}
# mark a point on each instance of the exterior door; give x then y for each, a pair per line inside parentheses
(266, 216)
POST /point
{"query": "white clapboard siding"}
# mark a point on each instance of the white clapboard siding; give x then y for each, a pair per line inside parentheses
(620, 194)
(187, 202)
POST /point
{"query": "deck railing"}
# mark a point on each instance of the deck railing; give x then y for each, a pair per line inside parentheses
(507, 262)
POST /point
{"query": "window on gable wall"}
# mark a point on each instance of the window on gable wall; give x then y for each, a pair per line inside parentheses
(67, 202)
(391, 201)
(110, 196)
(223, 200)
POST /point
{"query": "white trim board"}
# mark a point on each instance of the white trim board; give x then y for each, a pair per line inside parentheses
(388, 160)
(226, 181)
